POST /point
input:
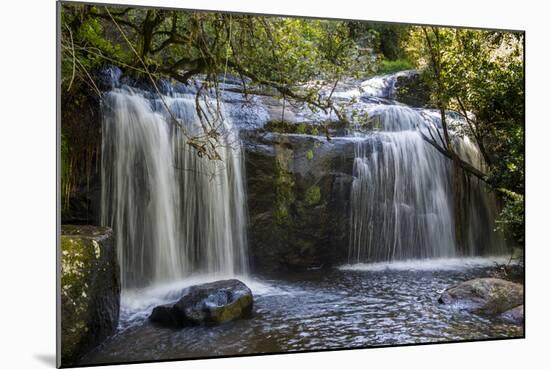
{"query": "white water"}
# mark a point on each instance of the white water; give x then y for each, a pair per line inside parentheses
(402, 204)
(400, 196)
(173, 213)
(436, 264)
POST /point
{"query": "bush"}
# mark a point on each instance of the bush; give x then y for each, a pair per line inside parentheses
(511, 220)
(393, 66)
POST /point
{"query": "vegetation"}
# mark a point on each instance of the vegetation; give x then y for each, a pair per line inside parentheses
(271, 55)
(393, 66)
(479, 74)
(312, 195)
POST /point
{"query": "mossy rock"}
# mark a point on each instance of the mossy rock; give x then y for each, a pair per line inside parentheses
(312, 195)
(90, 289)
(207, 304)
(487, 296)
(282, 126)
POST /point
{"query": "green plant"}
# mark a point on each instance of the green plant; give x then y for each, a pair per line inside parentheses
(313, 195)
(393, 66)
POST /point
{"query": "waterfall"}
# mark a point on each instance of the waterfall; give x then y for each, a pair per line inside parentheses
(402, 196)
(173, 213)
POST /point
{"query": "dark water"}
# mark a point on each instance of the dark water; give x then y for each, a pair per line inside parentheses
(326, 309)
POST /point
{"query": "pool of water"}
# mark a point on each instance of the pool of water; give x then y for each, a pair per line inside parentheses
(352, 306)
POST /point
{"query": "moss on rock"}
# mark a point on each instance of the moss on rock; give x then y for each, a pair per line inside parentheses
(312, 195)
(206, 304)
(90, 289)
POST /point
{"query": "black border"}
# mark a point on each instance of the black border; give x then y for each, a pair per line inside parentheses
(59, 4)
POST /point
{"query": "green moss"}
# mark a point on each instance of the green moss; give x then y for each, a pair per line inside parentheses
(301, 128)
(284, 187)
(309, 154)
(313, 195)
(232, 311)
(288, 127)
(77, 255)
(280, 126)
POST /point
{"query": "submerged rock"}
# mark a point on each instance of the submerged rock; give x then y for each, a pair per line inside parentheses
(489, 296)
(515, 315)
(90, 289)
(208, 304)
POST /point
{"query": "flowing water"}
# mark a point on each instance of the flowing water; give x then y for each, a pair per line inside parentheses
(173, 213)
(402, 196)
(180, 220)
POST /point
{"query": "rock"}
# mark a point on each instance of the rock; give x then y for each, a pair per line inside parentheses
(207, 304)
(166, 315)
(90, 289)
(411, 89)
(515, 315)
(298, 200)
(489, 296)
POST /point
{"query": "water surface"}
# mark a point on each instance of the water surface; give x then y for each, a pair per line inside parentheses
(348, 307)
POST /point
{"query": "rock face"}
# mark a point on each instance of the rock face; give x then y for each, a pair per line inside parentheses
(208, 304)
(489, 296)
(411, 89)
(80, 156)
(90, 289)
(515, 315)
(298, 199)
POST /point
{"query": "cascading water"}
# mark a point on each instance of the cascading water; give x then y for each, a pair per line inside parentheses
(173, 212)
(402, 196)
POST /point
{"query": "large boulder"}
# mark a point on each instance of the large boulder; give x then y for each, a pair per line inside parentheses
(206, 304)
(515, 315)
(489, 296)
(90, 289)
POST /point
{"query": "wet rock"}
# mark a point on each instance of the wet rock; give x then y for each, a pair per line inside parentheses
(489, 296)
(207, 304)
(90, 289)
(298, 199)
(515, 315)
(411, 89)
(166, 315)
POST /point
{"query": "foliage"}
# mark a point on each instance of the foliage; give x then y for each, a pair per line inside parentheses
(386, 39)
(278, 55)
(511, 219)
(479, 74)
(393, 66)
(287, 58)
(289, 127)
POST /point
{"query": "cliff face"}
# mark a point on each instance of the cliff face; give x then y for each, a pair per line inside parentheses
(298, 198)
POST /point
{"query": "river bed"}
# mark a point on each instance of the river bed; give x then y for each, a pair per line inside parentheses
(348, 307)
